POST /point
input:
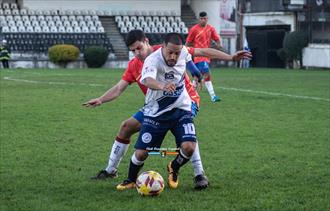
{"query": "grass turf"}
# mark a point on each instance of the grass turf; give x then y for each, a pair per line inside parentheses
(266, 146)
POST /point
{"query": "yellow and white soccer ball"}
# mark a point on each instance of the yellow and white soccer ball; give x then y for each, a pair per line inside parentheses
(150, 183)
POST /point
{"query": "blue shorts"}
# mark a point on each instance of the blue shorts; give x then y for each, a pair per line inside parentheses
(139, 115)
(154, 129)
(203, 67)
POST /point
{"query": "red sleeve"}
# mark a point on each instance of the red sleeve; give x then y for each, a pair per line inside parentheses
(156, 47)
(128, 74)
(191, 35)
(191, 50)
(215, 36)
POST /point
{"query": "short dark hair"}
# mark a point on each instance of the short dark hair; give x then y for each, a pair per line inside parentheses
(133, 36)
(174, 38)
(202, 14)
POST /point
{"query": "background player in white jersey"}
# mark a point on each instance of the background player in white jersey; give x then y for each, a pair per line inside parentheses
(167, 108)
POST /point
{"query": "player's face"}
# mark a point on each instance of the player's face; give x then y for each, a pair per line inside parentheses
(203, 21)
(140, 49)
(171, 53)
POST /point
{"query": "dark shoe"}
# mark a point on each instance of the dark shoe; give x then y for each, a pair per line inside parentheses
(103, 174)
(201, 182)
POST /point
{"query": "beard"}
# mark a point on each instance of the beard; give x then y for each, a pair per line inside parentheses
(170, 63)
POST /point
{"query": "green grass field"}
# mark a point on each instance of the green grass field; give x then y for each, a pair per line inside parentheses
(266, 146)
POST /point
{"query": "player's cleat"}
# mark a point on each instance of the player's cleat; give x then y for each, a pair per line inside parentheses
(173, 180)
(127, 184)
(215, 99)
(201, 182)
(103, 174)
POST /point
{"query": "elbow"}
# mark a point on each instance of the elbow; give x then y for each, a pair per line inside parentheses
(200, 52)
(118, 91)
(146, 82)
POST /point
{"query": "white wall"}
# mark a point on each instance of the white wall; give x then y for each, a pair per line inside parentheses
(269, 19)
(317, 55)
(212, 7)
(114, 5)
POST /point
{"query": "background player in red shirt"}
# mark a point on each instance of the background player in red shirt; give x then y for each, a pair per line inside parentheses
(201, 36)
(141, 49)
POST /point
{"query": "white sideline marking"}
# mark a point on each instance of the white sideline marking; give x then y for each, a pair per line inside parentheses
(275, 94)
(40, 73)
(49, 82)
(225, 88)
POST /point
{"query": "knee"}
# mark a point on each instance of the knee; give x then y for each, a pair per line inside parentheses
(128, 128)
(188, 148)
(125, 126)
(141, 155)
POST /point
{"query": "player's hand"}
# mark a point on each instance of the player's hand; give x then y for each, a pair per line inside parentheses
(242, 55)
(169, 87)
(199, 83)
(92, 103)
(218, 47)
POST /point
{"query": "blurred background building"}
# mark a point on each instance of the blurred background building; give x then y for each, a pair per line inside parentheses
(32, 26)
(265, 23)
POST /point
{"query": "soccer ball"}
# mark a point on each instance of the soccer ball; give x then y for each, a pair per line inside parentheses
(150, 183)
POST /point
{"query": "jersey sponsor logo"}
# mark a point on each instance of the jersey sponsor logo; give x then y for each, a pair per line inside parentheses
(146, 138)
(150, 122)
(169, 98)
(192, 137)
(148, 70)
(175, 93)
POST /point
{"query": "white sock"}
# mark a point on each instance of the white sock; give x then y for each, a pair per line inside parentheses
(136, 161)
(209, 88)
(197, 162)
(117, 153)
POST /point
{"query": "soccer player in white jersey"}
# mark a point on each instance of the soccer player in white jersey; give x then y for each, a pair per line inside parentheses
(167, 108)
(138, 43)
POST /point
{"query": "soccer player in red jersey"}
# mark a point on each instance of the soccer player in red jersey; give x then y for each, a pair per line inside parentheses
(201, 36)
(138, 43)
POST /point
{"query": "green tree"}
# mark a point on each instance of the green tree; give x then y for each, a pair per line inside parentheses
(293, 44)
(95, 56)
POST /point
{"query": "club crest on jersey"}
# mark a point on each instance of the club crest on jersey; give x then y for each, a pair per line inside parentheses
(146, 137)
(169, 75)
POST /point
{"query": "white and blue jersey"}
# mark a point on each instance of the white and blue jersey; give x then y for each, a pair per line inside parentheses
(158, 101)
(166, 111)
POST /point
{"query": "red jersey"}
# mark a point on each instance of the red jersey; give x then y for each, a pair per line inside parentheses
(134, 69)
(201, 37)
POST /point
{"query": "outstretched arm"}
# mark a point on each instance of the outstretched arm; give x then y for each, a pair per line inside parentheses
(216, 54)
(109, 95)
